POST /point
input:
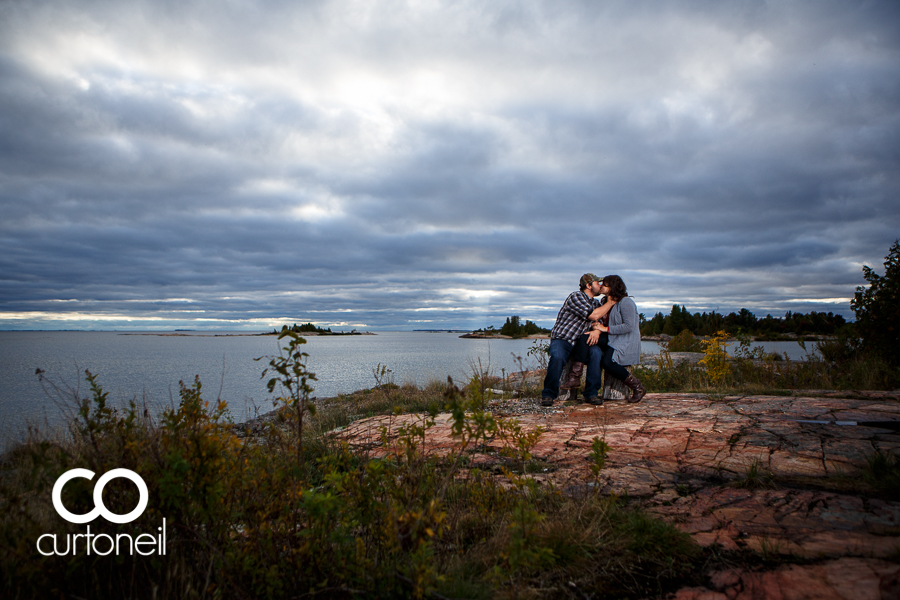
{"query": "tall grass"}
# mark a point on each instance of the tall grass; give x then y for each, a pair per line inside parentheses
(833, 366)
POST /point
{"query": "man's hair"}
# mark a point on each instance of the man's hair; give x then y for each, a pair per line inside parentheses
(617, 289)
(586, 280)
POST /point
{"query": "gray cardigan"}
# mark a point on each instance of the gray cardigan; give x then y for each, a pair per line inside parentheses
(625, 332)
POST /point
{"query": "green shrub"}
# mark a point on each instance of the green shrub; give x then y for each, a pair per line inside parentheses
(684, 342)
(877, 309)
(883, 471)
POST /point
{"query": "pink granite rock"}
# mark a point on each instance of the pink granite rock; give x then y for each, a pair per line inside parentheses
(681, 454)
(840, 579)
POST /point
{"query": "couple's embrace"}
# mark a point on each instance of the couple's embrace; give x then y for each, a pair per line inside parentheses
(597, 334)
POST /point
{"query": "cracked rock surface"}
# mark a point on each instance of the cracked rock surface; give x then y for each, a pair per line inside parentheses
(744, 472)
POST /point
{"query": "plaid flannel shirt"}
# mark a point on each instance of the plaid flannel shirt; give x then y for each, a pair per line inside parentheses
(572, 321)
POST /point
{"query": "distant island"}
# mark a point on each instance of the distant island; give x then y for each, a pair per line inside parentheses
(512, 329)
(310, 329)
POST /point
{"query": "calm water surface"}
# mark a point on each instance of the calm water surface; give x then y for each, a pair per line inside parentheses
(148, 367)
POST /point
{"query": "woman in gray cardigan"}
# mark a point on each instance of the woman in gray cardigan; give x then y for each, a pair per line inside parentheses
(624, 336)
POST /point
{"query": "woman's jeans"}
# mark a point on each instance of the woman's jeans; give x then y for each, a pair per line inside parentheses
(611, 366)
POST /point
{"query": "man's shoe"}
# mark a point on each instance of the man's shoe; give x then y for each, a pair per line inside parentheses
(546, 401)
(638, 391)
(595, 400)
(574, 379)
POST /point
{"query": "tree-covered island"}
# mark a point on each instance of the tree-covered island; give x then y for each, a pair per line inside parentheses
(513, 328)
(310, 329)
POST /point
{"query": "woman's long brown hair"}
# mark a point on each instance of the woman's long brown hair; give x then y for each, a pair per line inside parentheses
(617, 289)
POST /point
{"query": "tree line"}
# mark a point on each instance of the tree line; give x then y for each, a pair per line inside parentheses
(874, 333)
(745, 322)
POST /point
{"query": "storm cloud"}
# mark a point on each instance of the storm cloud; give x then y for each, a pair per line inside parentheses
(427, 164)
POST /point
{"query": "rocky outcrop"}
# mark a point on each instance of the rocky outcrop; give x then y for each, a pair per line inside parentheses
(771, 474)
(841, 579)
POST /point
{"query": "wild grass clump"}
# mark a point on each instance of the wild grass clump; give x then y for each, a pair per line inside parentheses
(756, 477)
(882, 472)
(294, 512)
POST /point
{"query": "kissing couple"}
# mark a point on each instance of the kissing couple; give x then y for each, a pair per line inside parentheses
(599, 334)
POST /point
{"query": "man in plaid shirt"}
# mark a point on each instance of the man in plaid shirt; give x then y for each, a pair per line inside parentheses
(573, 319)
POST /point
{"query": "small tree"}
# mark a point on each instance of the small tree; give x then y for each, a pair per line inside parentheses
(292, 374)
(877, 309)
(716, 358)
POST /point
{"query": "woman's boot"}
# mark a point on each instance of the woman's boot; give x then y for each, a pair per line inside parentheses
(636, 387)
(574, 379)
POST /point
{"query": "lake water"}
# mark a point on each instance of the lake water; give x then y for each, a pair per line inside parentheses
(148, 367)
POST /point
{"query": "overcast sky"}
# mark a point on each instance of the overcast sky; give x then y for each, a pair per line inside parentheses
(425, 164)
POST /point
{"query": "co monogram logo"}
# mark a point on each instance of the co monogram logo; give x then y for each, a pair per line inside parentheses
(99, 508)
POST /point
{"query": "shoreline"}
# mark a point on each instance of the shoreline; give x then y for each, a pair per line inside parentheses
(269, 333)
(483, 336)
(662, 337)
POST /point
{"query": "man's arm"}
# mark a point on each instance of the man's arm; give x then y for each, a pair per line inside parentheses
(579, 304)
(598, 313)
(596, 326)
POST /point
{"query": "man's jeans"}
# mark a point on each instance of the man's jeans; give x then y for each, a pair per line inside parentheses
(592, 357)
(559, 354)
(592, 379)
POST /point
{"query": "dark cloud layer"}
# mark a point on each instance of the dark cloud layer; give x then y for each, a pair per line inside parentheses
(409, 165)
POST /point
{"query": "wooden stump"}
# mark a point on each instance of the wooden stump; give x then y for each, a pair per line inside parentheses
(615, 389)
(612, 389)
